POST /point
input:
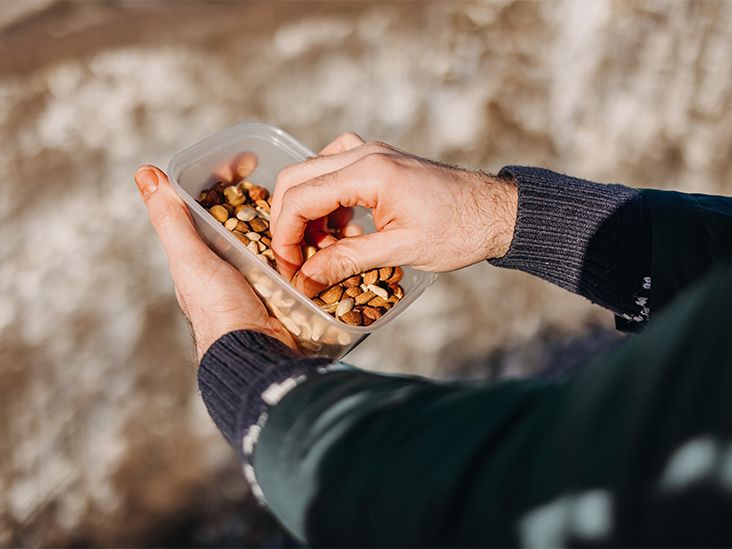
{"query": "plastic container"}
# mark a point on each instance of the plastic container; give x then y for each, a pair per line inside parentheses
(317, 332)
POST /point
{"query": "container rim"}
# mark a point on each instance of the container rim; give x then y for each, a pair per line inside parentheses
(199, 149)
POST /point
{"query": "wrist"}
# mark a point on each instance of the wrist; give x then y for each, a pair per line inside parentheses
(205, 338)
(500, 204)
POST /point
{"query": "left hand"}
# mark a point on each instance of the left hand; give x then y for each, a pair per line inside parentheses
(213, 295)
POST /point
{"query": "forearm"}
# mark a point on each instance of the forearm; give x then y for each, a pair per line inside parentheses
(591, 239)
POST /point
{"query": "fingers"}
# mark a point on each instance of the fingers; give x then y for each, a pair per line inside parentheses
(169, 216)
(319, 165)
(234, 170)
(347, 257)
(342, 143)
(316, 198)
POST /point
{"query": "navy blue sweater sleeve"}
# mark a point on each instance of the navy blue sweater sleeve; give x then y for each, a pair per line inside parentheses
(589, 238)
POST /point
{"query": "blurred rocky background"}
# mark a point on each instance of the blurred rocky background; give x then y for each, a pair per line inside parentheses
(103, 439)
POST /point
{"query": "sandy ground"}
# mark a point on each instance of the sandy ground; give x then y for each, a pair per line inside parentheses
(104, 439)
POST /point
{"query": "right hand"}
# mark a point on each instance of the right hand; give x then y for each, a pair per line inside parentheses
(427, 215)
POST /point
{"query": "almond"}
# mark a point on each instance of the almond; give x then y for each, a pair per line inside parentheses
(258, 193)
(372, 312)
(378, 301)
(258, 224)
(364, 297)
(371, 277)
(352, 317)
(332, 294)
(385, 273)
(353, 291)
(396, 276)
(351, 281)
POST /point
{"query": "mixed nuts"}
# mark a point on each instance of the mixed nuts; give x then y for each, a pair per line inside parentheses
(244, 209)
(362, 299)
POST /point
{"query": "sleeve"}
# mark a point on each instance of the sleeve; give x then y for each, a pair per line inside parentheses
(630, 251)
(589, 238)
(691, 233)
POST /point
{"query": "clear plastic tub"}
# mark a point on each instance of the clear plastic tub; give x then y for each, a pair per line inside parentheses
(317, 332)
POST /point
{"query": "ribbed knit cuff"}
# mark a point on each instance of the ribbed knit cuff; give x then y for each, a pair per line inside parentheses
(589, 238)
(238, 369)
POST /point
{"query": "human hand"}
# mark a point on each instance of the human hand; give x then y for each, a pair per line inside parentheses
(428, 215)
(214, 296)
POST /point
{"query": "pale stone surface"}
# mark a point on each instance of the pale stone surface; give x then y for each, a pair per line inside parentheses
(104, 438)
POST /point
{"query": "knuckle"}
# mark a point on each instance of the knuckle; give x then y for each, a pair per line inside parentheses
(377, 158)
(284, 176)
(380, 146)
(350, 137)
(344, 261)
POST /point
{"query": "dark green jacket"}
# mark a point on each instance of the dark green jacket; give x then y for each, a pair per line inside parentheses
(634, 449)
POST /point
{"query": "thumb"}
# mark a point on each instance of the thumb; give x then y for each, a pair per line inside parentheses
(347, 257)
(169, 216)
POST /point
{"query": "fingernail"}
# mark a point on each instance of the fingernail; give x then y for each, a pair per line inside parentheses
(147, 181)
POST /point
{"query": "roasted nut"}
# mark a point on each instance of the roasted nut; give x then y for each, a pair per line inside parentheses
(241, 226)
(330, 308)
(234, 195)
(266, 241)
(261, 246)
(396, 276)
(353, 291)
(243, 239)
(397, 291)
(229, 208)
(352, 317)
(351, 281)
(259, 225)
(378, 290)
(245, 213)
(263, 204)
(372, 312)
(219, 212)
(332, 294)
(209, 198)
(253, 247)
(385, 273)
(219, 186)
(378, 301)
(364, 297)
(231, 223)
(258, 193)
(344, 306)
(251, 235)
(371, 277)
(269, 254)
